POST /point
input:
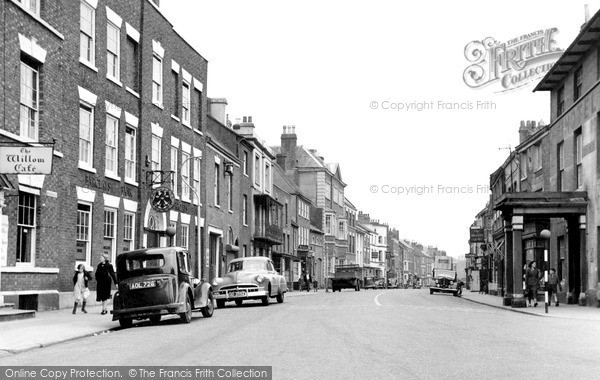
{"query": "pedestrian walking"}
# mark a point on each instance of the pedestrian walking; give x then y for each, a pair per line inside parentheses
(315, 284)
(553, 286)
(308, 281)
(104, 273)
(532, 280)
(81, 292)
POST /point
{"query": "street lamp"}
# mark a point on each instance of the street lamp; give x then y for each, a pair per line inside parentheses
(545, 234)
(197, 194)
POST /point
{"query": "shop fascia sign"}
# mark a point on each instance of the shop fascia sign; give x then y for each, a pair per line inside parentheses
(26, 159)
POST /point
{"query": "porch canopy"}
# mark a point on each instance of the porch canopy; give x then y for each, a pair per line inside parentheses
(543, 204)
(520, 208)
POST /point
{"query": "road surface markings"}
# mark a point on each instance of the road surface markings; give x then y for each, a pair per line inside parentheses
(377, 299)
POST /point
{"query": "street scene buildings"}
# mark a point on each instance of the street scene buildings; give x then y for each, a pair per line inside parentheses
(121, 98)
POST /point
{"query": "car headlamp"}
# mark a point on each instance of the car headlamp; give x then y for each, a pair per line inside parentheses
(217, 281)
(260, 278)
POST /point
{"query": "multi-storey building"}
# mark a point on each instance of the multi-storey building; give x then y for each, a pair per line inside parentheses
(378, 244)
(266, 222)
(121, 95)
(351, 217)
(322, 184)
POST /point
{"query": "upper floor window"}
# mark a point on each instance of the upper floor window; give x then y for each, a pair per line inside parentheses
(130, 153)
(197, 180)
(157, 80)
(245, 163)
(174, 166)
(87, 20)
(185, 103)
(113, 51)
(156, 160)
(131, 64)
(577, 85)
(32, 6)
(185, 176)
(579, 157)
(257, 170)
(560, 101)
(217, 183)
(267, 177)
(327, 190)
(86, 135)
(29, 111)
(112, 130)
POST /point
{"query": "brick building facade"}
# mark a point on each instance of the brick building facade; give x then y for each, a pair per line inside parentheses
(122, 95)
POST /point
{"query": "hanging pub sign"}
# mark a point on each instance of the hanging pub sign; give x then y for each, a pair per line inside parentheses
(26, 160)
(162, 199)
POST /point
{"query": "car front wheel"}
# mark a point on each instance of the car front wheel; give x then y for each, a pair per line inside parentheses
(239, 302)
(186, 316)
(209, 309)
(220, 304)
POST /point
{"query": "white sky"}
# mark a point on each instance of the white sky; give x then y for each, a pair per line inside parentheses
(319, 65)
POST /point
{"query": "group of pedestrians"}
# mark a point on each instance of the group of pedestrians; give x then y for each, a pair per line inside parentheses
(533, 277)
(105, 273)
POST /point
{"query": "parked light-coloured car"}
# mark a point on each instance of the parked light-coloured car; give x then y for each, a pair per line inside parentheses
(249, 278)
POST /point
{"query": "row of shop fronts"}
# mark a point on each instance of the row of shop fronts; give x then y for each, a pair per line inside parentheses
(549, 183)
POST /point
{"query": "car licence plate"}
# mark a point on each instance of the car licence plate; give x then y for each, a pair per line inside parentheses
(142, 285)
(237, 293)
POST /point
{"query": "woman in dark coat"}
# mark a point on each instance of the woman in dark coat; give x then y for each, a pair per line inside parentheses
(104, 274)
(532, 280)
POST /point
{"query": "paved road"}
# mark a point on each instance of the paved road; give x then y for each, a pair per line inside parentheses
(373, 334)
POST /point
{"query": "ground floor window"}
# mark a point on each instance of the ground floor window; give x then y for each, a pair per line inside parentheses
(84, 213)
(26, 228)
(128, 231)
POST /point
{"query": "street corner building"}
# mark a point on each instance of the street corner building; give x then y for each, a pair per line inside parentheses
(549, 182)
(121, 97)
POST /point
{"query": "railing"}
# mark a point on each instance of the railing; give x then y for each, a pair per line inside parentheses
(269, 232)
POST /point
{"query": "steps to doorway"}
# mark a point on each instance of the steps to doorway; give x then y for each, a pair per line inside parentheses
(9, 313)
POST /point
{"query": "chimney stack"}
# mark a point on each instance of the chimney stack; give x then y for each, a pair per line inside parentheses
(586, 8)
(526, 130)
(217, 109)
(289, 142)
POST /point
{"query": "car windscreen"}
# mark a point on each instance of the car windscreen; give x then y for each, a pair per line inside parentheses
(250, 265)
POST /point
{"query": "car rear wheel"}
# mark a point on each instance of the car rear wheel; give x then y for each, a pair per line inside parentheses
(209, 309)
(280, 297)
(125, 322)
(186, 316)
(155, 319)
(239, 302)
(220, 304)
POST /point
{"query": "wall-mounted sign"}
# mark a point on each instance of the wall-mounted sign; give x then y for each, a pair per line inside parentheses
(26, 160)
(477, 235)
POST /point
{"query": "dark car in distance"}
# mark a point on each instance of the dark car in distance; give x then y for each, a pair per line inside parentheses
(157, 281)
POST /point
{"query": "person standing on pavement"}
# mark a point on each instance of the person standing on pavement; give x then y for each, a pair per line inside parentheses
(80, 287)
(532, 280)
(104, 273)
(308, 281)
(553, 286)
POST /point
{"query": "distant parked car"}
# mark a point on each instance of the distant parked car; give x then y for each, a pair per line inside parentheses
(249, 278)
(155, 282)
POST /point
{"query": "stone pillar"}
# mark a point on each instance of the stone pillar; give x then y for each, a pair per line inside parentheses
(508, 247)
(518, 300)
(583, 259)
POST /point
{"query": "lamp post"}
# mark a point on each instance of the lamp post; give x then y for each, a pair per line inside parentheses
(545, 234)
(198, 237)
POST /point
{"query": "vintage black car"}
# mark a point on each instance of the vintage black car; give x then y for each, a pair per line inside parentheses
(157, 281)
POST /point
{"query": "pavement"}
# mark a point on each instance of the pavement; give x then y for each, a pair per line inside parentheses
(52, 327)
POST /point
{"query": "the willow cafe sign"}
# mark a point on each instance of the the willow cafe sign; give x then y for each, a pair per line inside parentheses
(26, 160)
